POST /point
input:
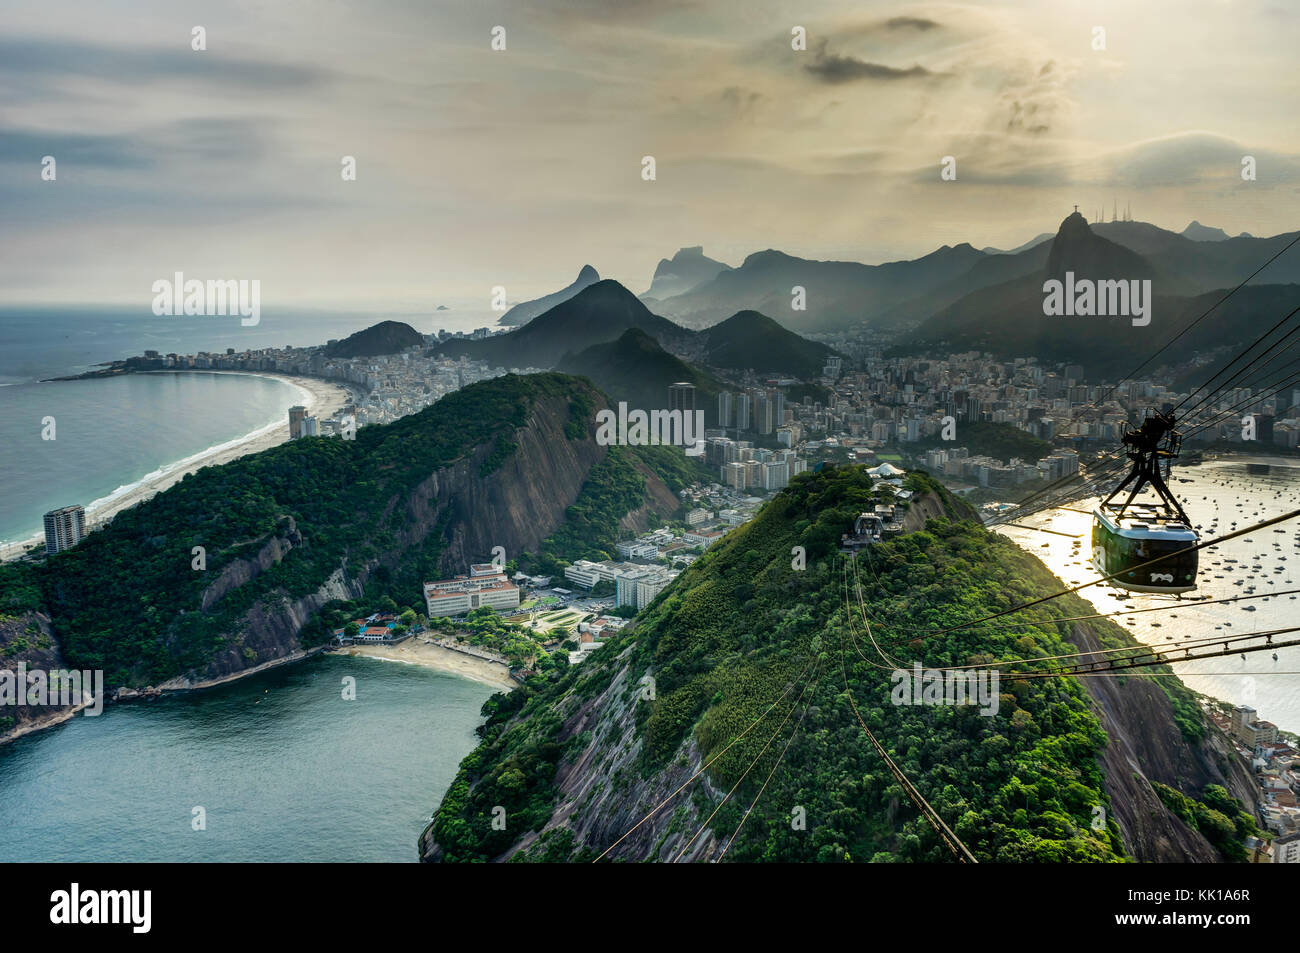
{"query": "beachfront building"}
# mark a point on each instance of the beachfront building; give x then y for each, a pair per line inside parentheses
(64, 528)
(464, 594)
(296, 415)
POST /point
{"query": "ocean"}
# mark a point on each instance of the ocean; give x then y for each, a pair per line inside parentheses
(282, 767)
(111, 433)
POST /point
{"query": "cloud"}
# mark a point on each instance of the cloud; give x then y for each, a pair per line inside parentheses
(105, 152)
(36, 56)
(913, 23)
(836, 68)
(739, 100)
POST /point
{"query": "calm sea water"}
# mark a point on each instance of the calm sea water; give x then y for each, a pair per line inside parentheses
(284, 768)
(37, 343)
(111, 433)
(1214, 496)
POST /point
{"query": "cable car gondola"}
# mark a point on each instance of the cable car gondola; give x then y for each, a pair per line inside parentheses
(1127, 535)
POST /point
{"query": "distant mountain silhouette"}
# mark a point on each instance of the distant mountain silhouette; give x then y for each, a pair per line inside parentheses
(1079, 249)
(386, 337)
(525, 311)
(1203, 233)
(749, 340)
(687, 269)
(1033, 242)
(1007, 319)
(838, 294)
(634, 368)
(1195, 266)
(599, 313)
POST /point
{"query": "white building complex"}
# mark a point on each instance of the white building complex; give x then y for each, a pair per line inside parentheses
(485, 586)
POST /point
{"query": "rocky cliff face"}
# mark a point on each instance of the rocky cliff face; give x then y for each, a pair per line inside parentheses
(601, 792)
(1146, 745)
(27, 644)
(515, 507)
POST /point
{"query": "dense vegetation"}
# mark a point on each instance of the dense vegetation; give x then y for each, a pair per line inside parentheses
(1000, 441)
(614, 487)
(637, 370)
(749, 340)
(386, 337)
(128, 599)
(742, 626)
(1217, 815)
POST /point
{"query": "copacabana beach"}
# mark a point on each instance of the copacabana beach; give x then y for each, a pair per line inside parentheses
(119, 441)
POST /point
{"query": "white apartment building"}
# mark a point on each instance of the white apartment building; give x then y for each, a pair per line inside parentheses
(464, 594)
(583, 573)
(1286, 849)
(639, 588)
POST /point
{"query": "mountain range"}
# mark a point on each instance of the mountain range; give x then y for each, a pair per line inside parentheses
(1187, 278)
(696, 291)
(525, 311)
(687, 269)
(603, 312)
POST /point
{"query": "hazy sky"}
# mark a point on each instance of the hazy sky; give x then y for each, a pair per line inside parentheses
(478, 168)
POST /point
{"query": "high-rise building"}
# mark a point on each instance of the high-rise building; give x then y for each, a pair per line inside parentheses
(310, 427)
(764, 413)
(681, 396)
(64, 528)
(296, 415)
(726, 409)
(743, 405)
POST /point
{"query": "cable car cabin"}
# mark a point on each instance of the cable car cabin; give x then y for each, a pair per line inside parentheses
(1120, 544)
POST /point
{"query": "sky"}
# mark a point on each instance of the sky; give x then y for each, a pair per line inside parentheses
(478, 167)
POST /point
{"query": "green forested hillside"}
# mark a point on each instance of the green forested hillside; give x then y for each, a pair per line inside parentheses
(743, 646)
(999, 441)
(127, 599)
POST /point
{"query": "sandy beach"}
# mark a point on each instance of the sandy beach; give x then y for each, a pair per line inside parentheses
(417, 652)
(322, 399)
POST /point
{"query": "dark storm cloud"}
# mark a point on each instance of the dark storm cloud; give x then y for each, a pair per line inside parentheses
(912, 23)
(834, 68)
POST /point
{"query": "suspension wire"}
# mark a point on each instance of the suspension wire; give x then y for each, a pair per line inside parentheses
(941, 828)
(807, 683)
(705, 767)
